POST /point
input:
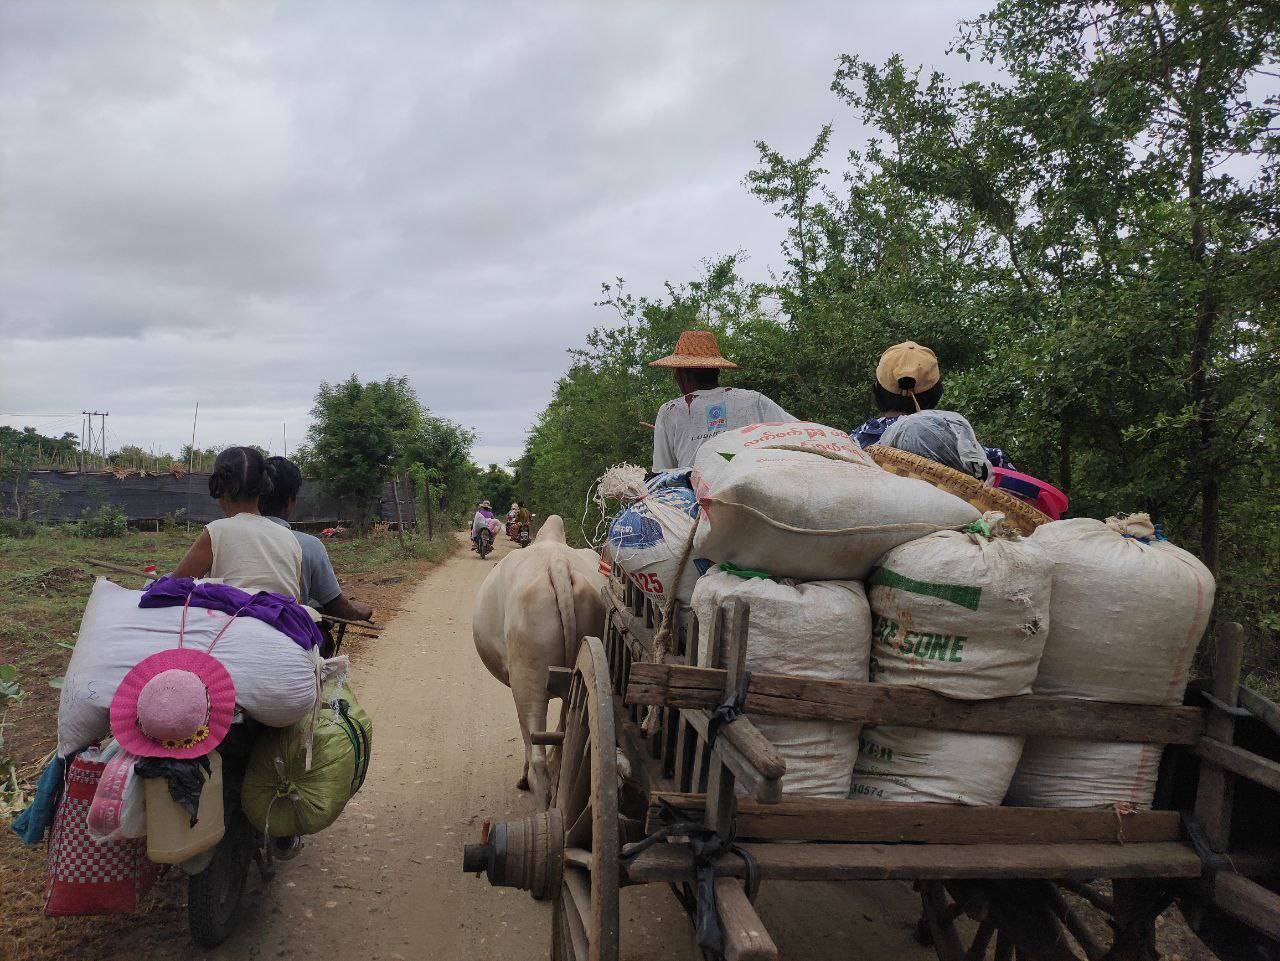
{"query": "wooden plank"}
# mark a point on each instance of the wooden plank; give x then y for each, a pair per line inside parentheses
(1249, 901)
(1241, 762)
(749, 755)
(942, 928)
(780, 695)
(745, 937)
(1215, 791)
(721, 802)
(1264, 710)
(836, 819)
(935, 862)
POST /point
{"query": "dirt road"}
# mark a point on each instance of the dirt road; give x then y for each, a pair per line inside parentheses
(385, 882)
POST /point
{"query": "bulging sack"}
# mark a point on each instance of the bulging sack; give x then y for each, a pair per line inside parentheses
(803, 500)
(281, 796)
(275, 679)
(964, 613)
(648, 537)
(916, 764)
(1128, 611)
(819, 629)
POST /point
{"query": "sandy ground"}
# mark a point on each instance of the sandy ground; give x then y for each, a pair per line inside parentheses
(385, 882)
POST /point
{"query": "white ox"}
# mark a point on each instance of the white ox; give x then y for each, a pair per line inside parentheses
(530, 614)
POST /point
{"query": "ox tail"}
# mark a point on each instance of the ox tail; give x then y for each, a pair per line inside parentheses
(562, 586)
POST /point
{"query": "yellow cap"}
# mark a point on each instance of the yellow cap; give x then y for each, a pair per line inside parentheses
(907, 368)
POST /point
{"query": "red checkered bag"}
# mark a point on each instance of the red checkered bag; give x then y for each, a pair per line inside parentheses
(86, 877)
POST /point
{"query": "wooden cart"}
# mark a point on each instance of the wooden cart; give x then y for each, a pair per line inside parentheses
(699, 805)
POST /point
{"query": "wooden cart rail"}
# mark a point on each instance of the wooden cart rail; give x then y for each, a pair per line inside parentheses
(780, 695)
(887, 862)
(836, 819)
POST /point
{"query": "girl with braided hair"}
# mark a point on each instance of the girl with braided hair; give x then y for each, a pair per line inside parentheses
(244, 548)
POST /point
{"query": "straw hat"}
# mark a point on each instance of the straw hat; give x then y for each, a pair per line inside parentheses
(177, 703)
(696, 348)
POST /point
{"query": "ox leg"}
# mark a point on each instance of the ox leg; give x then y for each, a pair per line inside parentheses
(529, 687)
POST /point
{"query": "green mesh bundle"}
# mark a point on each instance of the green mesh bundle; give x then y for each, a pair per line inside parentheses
(280, 796)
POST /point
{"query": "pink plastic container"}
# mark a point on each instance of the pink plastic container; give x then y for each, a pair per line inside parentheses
(1040, 494)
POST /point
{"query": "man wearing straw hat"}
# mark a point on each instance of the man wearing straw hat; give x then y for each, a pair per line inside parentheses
(704, 408)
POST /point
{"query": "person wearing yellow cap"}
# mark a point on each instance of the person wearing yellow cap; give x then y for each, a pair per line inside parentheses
(908, 381)
(704, 408)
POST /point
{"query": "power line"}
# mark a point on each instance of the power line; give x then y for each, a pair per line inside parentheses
(9, 413)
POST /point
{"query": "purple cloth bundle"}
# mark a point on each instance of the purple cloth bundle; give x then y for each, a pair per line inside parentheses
(277, 610)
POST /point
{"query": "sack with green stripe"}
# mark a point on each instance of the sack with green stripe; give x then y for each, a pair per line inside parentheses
(965, 614)
(281, 795)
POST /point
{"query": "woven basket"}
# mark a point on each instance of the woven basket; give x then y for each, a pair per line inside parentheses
(1018, 515)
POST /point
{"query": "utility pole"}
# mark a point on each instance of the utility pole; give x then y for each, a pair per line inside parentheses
(102, 434)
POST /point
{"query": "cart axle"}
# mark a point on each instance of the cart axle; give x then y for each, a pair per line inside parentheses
(525, 854)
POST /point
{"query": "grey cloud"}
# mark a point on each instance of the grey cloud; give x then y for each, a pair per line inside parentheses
(233, 202)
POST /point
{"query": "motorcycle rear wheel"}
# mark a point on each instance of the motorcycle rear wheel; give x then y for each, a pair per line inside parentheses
(214, 895)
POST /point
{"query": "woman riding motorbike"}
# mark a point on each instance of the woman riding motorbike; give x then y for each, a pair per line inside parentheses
(483, 515)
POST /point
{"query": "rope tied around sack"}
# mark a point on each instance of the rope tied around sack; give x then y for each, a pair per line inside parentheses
(1121, 809)
(1137, 527)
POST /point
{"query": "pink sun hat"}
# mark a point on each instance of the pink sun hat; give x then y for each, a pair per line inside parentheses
(177, 703)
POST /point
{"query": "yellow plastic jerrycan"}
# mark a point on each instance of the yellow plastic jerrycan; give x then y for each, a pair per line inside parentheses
(171, 837)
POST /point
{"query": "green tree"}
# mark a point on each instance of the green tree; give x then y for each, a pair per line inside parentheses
(498, 486)
(362, 434)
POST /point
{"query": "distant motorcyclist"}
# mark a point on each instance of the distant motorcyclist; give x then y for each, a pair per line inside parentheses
(483, 515)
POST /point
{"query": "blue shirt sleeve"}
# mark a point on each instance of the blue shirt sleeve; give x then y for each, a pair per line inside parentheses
(319, 582)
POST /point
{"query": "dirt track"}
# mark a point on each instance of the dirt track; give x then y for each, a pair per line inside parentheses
(385, 882)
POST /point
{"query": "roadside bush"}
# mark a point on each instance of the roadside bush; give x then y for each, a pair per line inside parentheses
(11, 527)
(106, 521)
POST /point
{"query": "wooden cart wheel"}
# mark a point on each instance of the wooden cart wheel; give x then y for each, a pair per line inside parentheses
(1029, 918)
(585, 913)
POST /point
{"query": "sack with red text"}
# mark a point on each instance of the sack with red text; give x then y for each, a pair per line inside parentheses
(804, 501)
(86, 876)
(648, 537)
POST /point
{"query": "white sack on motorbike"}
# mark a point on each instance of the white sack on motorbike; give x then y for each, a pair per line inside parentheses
(275, 679)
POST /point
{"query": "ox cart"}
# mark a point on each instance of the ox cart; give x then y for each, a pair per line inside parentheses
(698, 804)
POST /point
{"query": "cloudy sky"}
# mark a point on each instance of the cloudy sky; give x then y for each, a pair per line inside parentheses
(232, 202)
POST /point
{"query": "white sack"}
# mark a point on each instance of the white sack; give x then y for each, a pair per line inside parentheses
(964, 614)
(961, 613)
(1065, 773)
(275, 679)
(819, 629)
(648, 537)
(1127, 614)
(934, 767)
(798, 514)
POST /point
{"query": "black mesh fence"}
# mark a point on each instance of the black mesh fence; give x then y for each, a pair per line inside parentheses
(145, 497)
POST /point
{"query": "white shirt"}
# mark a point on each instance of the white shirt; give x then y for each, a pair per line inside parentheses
(254, 553)
(685, 423)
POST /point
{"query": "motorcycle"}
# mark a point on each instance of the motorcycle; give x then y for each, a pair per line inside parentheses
(216, 879)
(484, 542)
(522, 535)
